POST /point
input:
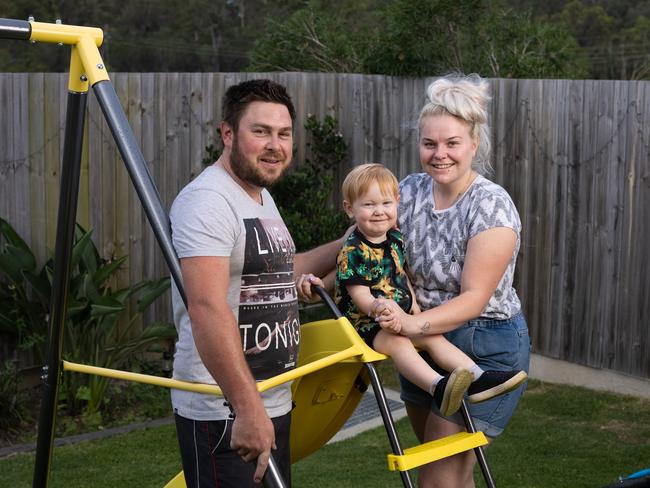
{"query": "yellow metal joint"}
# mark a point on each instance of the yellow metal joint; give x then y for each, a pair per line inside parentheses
(77, 81)
(86, 64)
(91, 60)
(64, 34)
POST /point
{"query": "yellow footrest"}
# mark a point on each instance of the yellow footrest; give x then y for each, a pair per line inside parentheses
(434, 450)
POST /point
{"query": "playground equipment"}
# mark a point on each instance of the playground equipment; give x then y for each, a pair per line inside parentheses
(335, 365)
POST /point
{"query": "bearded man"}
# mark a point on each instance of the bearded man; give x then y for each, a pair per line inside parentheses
(241, 325)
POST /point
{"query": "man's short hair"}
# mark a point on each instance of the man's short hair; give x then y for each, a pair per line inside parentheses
(237, 98)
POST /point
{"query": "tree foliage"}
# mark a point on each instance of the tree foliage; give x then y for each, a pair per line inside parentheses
(318, 37)
(512, 45)
(615, 43)
(147, 35)
(420, 38)
(510, 38)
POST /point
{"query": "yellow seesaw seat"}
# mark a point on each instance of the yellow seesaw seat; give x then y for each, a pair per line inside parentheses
(329, 383)
(327, 398)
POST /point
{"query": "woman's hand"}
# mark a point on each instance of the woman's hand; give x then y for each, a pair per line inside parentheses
(304, 285)
(390, 316)
(390, 323)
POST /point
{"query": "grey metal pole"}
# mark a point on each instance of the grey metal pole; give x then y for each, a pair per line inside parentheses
(140, 176)
(386, 416)
(478, 451)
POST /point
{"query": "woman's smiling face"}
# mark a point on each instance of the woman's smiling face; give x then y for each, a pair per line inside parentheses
(446, 148)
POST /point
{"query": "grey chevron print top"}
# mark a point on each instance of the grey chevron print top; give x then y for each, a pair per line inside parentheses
(436, 240)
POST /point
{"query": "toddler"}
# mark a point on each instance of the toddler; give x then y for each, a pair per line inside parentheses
(371, 265)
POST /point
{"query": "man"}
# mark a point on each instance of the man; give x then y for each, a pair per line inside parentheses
(238, 263)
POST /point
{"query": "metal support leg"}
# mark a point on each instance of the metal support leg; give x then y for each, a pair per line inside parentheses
(386, 416)
(65, 230)
(480, 455)
(140, 176)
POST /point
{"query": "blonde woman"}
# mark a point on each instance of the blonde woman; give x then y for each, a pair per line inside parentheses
(461, 238)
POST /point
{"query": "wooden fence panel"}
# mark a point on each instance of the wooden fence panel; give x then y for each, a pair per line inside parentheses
(574, 155)
(35, 158)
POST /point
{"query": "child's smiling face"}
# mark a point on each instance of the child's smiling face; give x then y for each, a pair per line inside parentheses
(375, 213)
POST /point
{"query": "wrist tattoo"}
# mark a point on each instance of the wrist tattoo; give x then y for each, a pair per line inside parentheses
(425, 327)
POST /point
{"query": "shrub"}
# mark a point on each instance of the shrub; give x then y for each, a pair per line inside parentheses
(303, 196)
(12, 406)
(97, 329)
(24, 294)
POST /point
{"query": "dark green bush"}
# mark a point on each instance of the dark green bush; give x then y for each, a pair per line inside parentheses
(303, 196)
(12, 399)
(101, 329)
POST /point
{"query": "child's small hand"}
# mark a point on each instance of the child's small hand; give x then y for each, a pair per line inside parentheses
(377, 307)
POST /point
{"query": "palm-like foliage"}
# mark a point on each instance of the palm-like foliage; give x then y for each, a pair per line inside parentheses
(102, 321)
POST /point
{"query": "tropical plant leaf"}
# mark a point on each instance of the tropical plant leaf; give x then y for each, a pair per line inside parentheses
(10, 269)
(40, 285)
(89, 255)
(105, 306)
(107, 269)
(76, 306)
(80, 248)
(93, 312)
(104, 310)
(49, 270)
(14, 260)
(90, 291)
(160, 330)
(25, 258)
(151, 292)
(122, 295)
(108, 324)
(12, 236)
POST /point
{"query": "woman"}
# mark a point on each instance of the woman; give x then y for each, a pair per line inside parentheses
(461, 239)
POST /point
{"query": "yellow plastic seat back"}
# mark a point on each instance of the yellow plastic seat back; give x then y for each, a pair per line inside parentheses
(326, 398)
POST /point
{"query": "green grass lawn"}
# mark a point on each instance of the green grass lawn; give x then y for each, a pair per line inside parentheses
(561, 436)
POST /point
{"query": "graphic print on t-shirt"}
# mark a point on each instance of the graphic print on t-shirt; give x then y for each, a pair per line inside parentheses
(268, 311)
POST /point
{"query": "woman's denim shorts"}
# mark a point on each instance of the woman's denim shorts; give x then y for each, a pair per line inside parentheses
(502, 345)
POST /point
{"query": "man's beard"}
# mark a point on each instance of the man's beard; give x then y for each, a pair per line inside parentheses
(248, 172)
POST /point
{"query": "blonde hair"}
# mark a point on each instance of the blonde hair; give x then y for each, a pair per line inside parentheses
(466, 98)
(359, 180)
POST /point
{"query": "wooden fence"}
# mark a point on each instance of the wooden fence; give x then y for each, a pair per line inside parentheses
(573, 154)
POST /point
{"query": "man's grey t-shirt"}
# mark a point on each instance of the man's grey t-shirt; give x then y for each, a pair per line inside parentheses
(214, 216)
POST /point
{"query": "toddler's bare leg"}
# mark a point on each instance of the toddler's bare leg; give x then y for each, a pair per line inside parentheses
(407, 360)
(443, 352)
